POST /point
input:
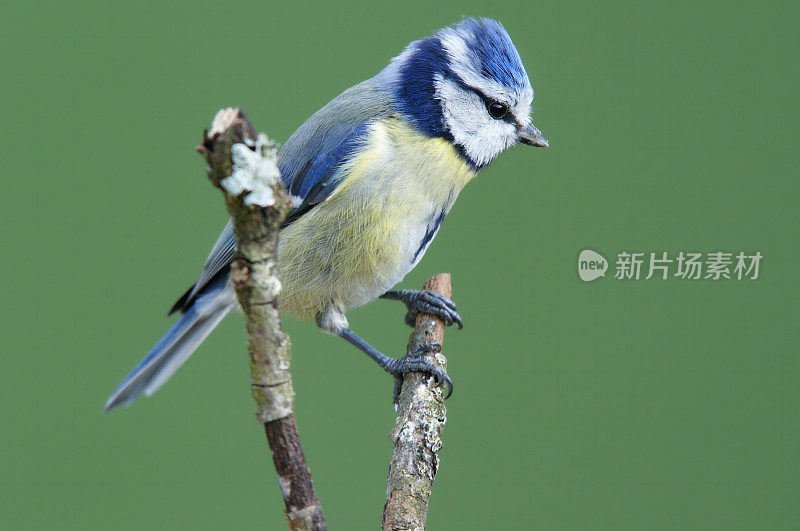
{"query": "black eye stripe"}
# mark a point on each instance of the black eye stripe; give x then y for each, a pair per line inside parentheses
(509, 116)
(497, 110)
(506, 116)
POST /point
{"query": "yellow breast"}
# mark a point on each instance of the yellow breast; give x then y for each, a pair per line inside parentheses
(360, 241)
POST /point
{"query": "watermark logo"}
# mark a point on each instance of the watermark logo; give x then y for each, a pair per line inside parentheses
(684, 265)
(591, 265)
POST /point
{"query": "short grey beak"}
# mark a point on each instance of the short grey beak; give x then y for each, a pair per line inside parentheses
(532, 136)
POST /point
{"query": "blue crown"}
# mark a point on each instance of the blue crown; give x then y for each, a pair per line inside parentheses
(487, 52)
(491, 50)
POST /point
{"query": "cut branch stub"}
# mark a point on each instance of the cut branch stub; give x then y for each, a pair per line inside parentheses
(253, 272)
(417, 435)
(242, 164)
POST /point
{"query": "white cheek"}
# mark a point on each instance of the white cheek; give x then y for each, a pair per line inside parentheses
(482, 137)
(522, 110)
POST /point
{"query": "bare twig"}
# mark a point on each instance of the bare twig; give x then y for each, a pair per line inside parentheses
(417, 434)
(242, 164)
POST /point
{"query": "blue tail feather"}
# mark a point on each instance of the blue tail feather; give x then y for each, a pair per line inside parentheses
(175, 347)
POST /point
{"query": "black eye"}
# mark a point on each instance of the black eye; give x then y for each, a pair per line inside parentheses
(497, 109)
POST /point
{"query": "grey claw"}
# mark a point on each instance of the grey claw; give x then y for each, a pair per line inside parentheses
(414, 361)
(432, 303)
(398, 387)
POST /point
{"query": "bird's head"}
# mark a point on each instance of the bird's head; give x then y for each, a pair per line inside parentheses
(466, 83)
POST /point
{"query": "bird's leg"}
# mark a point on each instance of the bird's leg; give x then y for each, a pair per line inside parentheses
(333, 320)
(412, 361)
(424, 301)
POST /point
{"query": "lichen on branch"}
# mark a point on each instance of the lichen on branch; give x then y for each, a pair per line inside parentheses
(417, 434)
(242, 163)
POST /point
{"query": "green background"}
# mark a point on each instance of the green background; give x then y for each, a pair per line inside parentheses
(609, 405)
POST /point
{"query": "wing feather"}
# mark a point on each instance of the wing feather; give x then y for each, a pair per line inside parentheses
(308, 163)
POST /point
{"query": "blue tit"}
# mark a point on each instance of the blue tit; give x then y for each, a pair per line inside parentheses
(373, 173)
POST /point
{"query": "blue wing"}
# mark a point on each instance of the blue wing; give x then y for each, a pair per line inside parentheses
(308, 163)
(318, 178)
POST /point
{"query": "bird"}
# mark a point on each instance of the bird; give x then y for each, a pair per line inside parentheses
(372, 174)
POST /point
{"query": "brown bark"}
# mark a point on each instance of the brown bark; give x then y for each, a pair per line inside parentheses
(255, 278)
(417, 435)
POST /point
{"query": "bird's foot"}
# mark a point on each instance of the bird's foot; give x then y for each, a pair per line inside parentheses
(414, 361)
(428, 302)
